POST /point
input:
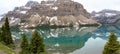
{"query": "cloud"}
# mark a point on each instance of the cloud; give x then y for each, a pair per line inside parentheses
(98, 5)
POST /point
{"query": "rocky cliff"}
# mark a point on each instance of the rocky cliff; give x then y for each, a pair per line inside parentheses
(52, 13)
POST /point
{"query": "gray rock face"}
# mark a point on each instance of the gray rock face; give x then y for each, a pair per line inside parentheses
(31, 3)
(107, 16)
(56, 8)
(52, 12)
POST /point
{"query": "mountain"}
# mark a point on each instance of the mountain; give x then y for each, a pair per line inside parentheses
(107, 16)
(52, 13)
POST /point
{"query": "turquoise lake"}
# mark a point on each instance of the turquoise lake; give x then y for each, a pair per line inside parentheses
(68, 40)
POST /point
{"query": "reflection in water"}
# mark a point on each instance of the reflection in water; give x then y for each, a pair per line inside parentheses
(65, 40)
(65, 44)
(92, 46)
(104, 31)
(71, 40)
(62, 40)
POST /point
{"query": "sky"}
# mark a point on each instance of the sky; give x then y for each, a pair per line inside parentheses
(89, 5)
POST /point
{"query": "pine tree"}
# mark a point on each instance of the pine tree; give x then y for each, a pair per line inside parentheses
(8, 37)
(7, 33)
(112, 45)
(24, 45)
(36, 43)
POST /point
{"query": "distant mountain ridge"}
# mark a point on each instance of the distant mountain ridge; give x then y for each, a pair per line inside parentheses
(107, 16)
(52, 13)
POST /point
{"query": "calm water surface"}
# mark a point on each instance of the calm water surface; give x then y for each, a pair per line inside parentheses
(83, 40)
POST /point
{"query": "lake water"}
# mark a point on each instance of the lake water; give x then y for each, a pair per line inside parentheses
(83, 40)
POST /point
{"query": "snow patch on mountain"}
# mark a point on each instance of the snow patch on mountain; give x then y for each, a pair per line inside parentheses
(53, 18)
(55, 8)
(48, 4)
(27, 7)
(23, 12)
(82, 22)
(96, 15)
(110, 14)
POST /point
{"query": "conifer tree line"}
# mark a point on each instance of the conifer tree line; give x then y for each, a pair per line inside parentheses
(5, 34)
(35, 46)
(112, 46)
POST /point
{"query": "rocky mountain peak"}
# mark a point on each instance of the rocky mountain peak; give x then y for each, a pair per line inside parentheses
(31, 3)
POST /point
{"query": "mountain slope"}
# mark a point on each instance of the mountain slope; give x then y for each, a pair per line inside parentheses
(52, 13)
